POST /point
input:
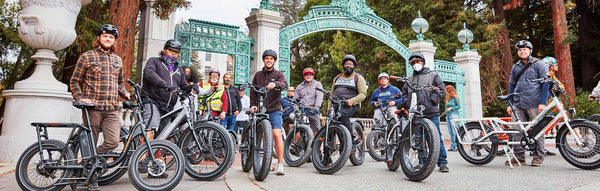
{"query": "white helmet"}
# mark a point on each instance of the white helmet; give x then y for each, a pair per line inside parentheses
(383, 74)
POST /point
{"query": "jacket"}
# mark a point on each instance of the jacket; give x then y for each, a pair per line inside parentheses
(218, 101)
(272, 100)
(454, 104)
(309, 95)
(427, 97)
(157, 76)
(233, 100)
(287, 108)
(385, 93)
(531, 94)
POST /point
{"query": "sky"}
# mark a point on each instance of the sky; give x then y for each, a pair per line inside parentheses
(232, 12)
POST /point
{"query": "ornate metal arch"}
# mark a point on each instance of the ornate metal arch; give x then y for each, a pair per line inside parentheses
(216, 37)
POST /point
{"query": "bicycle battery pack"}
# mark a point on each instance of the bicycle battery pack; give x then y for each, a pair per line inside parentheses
(532, 132)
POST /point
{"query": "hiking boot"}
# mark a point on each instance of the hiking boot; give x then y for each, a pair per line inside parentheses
(444, 168)
(537, 161)
(280, 170)
(514, 161)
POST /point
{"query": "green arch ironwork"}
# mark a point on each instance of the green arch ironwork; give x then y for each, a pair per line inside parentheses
(216, 37)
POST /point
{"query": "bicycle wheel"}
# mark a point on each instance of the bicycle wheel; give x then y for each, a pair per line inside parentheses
(477, 154)
(584, 156)
(358, 156)
(297, 146)
(262, 153)
(376, 145)
(147, 174)
(245, 150)
(419, 149)
(30, 173)
(212, 155)
(392, 154)
(329, 157)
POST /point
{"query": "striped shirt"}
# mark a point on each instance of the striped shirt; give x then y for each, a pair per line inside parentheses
(98, 76)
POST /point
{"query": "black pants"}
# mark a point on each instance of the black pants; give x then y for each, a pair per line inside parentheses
(347, 112)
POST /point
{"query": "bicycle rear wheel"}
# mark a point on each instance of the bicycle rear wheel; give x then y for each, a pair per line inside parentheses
(376, 145)
(329, 157)
(358, 156)
(477, 154)
(584, 156)
(297, 146)
(154, 174)
(30, 173)
(392, 154)
(419, 149)
(262, 153)
(213, 157)
(245, 150)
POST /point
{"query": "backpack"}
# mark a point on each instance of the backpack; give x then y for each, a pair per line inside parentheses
(355, 79)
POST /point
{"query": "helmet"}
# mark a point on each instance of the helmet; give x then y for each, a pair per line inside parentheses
(172, 45)
(416, 56)
(383, 74)
(350, 57)
(269, 52)
(523, 44)
(109, 29)
(308, 71)
(214, 70)
(551, 61)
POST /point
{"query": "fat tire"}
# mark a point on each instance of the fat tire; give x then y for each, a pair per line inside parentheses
(491, 149)
(345, 154)
(433, 145)
(246, 164)
(143, 149)
(306, 134)
(261, 168)
(572, 156)
(223, 135)
(370, 144)
(358, 157)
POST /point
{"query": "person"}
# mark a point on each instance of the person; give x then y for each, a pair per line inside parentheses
(595, 93)
(429, 98)
(552, 70)
(307, 92)
(532, 100)
(384, 92)
(242, 117)
(451, 108)
(191, 76)
(217, 103)
(161, 77)
(271, 78)
(233, 104)
(351, 86)
(288, 108)
(98, 79)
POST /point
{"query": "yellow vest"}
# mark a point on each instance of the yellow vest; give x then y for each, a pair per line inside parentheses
(214, 101)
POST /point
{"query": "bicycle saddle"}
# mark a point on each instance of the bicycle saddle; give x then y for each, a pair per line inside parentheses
(82, 105)
(130, 105)
(506, 97)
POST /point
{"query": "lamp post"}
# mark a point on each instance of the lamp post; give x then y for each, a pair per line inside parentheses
(465, 36)
(420, 26)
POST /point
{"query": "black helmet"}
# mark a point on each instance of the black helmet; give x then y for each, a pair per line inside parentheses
(416, 56)
(108, 28)
(350, 57)
(172, 45)
(269, 52)
(523, 44)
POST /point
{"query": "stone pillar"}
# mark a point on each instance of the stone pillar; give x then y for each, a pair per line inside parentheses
(154, 32)
(46, 26)
(468, 61)
(426, 48)
(264, 26)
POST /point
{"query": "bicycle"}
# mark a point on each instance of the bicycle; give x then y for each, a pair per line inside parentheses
(383, 140)
(297, 146)
(77, 162)
(577, 139)
(257, 138)
(206, 145)
(419, 142)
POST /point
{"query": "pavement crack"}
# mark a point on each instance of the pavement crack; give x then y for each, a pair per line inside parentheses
(248, 175)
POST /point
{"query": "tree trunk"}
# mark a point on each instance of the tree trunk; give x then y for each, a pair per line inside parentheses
(562, 50)
(504, 43)
(123, 15)
(586, 36)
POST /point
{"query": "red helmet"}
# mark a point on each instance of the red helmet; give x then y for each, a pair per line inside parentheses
(308, 71)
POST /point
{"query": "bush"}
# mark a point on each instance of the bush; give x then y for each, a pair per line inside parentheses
(584, 107)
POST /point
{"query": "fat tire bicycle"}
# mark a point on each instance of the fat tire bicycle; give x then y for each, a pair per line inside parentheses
(298, 146)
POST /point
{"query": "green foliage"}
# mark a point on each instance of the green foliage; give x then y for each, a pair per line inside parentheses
(164, 8)
(585, 107)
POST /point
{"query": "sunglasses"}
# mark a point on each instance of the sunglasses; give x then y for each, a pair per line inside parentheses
(308, 74)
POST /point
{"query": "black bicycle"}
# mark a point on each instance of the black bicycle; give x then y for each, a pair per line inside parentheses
(257, 138)
(77, 163)
(297, 147)
(384, 139)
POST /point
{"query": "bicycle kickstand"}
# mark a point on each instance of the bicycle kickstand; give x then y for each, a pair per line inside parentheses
(510, 153)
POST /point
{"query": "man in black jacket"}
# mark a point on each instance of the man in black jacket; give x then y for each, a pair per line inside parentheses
(234, 105)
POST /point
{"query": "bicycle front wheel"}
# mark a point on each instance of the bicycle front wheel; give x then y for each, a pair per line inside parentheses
(213, 153)
(376, 145)
(419, 149)
(150, 172)
(332, 150)
(262, 153)
(30, 171)
(585, 155)
(297, 146)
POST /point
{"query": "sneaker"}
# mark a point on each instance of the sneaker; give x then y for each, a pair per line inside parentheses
(93, 186)
(537, 161)
(444, 168)
(514, 162)
(549, 153)
(162, 176)
(280, 170)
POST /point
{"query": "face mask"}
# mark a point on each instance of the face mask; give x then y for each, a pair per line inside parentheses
(214, 81)
(188, 77)
(169, 59)
(417, 67)
(348, 71)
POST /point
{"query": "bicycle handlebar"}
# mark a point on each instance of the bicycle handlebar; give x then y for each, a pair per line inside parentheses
(257, 88)
(415, 87)
(332, 98)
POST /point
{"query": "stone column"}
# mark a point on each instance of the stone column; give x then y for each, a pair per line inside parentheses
(154, 32)
(426, 48)
(264, 26)
(468, 61)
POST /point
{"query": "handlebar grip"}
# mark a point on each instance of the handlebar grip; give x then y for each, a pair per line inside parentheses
(324, 91)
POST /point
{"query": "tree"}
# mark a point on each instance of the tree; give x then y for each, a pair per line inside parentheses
(562, 50)
(503, 42)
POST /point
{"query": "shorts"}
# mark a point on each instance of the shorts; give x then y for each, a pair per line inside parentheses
(275, 119)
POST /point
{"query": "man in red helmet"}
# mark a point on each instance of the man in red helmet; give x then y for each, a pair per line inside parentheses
(307, 93)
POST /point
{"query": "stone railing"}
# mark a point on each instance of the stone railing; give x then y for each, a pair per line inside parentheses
(366, 122)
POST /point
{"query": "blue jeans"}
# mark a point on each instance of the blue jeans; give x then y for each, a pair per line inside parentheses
(229, 123)
(452, 130)
(443, 154)
(275, 119)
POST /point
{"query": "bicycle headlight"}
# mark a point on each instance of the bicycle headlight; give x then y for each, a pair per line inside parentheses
(572, 112)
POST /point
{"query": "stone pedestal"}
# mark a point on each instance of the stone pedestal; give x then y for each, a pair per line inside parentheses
(426, 48)
(468, 61)
(264, 26)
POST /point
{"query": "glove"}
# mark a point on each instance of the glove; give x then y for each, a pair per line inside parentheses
(171, 87)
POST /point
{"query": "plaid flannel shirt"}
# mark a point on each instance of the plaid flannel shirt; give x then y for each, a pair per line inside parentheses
(98, 75)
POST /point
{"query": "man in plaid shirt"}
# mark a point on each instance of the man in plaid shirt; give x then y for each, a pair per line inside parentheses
(98, 79)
